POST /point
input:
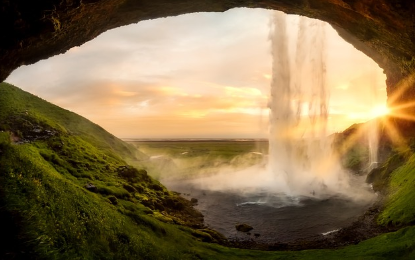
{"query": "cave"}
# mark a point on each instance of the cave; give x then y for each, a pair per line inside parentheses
(383, 30)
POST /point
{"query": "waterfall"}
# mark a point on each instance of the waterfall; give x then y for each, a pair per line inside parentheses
(300, 154)
(373, 134)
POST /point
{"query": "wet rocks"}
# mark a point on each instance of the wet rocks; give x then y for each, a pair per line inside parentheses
(243, 227)
(193, 201)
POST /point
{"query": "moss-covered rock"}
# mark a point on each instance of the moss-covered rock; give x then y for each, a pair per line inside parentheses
(380, 177)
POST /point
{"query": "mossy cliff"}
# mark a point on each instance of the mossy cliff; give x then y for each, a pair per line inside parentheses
(67, 193)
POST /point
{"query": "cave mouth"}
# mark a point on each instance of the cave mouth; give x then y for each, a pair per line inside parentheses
(91, 90)
(201, 66)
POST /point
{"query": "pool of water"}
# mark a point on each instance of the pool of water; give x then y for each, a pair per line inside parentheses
(275, 217)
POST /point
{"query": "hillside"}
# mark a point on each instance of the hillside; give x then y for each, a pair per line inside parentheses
(66, 192)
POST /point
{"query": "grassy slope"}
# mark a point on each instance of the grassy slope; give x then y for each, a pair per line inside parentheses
(15, 101)
(46, 210)
(400, 205)
(47, 213)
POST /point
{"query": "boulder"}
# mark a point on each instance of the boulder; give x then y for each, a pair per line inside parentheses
(243, 227)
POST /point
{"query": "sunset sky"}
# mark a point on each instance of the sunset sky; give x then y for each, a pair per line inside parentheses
(203, 75)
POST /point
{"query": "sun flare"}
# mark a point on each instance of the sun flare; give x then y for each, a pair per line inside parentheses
(379, 111)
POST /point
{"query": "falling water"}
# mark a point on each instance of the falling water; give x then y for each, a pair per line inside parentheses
(303, 191)
(300, 151)
(300, 161)
(373, 141)
(373, 135)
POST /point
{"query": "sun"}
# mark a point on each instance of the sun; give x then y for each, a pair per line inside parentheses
(379, 111)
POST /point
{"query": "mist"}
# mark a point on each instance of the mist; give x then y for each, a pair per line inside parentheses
(300, 162)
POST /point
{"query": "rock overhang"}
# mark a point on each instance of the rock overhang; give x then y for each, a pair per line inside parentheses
(384, 30)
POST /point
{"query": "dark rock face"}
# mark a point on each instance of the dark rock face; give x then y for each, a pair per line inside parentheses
(34, 30)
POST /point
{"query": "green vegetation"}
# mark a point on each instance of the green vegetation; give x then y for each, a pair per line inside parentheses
(187, 158)
(17, 106)
(50, 158)
(224, 150)
(400, 205)
(354, 157)
(380, 177)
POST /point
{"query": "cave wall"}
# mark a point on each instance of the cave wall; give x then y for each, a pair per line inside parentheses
(382, 29)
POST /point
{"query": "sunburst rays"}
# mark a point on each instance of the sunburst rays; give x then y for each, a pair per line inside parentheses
(391, 122)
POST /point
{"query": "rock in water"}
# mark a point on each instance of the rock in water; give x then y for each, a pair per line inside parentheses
(243, 227)
(193, 201)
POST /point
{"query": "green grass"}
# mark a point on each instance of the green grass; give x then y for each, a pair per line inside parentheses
(226, 150)
(15, 102)
(400, 205)
(354, 157)
(47, 213)
(189, 158)
(62, 220)
(43, 194)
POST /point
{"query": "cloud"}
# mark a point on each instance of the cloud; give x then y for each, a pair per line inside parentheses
(195, 74)
(106, 102)
(175, 126)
